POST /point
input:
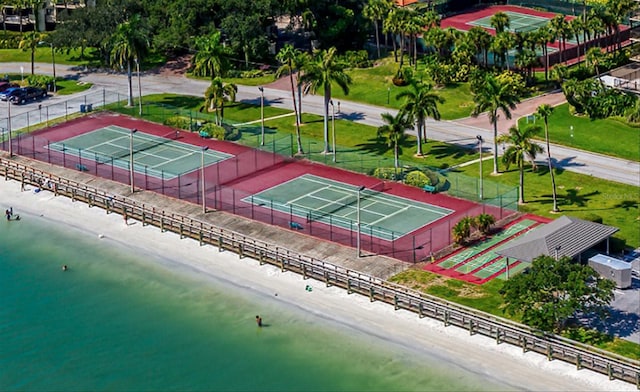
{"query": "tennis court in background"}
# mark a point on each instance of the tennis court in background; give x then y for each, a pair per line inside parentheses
(158, 156)
(518, 22)
(319, 199)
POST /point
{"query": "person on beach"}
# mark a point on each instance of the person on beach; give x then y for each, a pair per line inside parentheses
(259, 321)
(64, 267)
(8, 214)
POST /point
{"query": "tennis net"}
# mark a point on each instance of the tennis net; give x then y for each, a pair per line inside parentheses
(139, 144)
(334, 206)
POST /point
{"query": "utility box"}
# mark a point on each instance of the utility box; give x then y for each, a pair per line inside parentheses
(611, 268)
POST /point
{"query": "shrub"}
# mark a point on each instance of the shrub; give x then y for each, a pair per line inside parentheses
(42, 81)
(483, 222)
(417, 178)
(356, 59)
(178, 122)
(214, 131)
(387, 173)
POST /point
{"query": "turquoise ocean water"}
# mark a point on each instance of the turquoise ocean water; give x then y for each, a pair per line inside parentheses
(117, 321)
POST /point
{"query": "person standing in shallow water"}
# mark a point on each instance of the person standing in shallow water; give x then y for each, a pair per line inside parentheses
(259, 321)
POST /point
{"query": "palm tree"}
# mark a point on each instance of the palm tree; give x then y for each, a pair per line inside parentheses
(545, 111)
(394, 131)
(481, 40)
(521, 149)
(577, 28)
(500, 22)
(544, 37)
(420, 103)
(493, 96)
(593, 59)
(129, 44)
(392, 25)
(462, 230)
(483, 222)
(217, 94)
(561, 30)
(501, 44)
(212, 57)
(30, 42)
(322, 71)
(289, 58)
(619, 10)
(376, 10)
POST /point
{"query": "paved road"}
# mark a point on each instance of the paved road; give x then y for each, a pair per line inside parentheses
(462, 132)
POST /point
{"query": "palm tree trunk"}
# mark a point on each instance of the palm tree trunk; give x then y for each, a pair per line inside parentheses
(521, 183)
(424, 130)
(495, 147)
(553, 178)
(295, 109)
(33, 60)
(327, 98)
(419, 134)
(395, 155)
(299, 99)
(377, 38)
(129, 84)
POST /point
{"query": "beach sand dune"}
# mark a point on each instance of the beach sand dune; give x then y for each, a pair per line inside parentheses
(503, 362)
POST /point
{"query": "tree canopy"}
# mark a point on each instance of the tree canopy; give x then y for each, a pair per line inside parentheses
(551, 291)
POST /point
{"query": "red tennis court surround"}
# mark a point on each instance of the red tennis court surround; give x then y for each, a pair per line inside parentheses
(251, 171)
(570, 51)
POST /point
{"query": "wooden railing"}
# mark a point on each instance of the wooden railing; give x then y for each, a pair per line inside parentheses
(376, 289)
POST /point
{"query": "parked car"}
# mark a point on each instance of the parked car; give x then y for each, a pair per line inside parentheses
(8, 93)
(5, 85)
(26, 94)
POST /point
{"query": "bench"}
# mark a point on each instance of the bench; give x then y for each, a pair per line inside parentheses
(81, 167)
(429, 188)
(295, 225)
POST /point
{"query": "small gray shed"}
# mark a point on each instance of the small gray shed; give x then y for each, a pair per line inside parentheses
(611, 268)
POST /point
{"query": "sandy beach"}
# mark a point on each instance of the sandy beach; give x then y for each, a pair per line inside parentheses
(528, 371)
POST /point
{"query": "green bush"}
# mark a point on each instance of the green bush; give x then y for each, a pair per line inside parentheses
(39, 80)
(417, 178)
(178, 122)
(356, 59)
(214, 131)
(387, 173)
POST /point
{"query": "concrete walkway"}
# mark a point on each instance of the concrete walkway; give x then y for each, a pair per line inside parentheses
(461, 132)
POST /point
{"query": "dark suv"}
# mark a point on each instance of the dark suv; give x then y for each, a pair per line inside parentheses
(26, 94)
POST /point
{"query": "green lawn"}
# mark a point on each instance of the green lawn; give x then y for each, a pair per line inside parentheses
(486, 298)
(43, 55)
(606, 136)
(578, 195)
(373, 86)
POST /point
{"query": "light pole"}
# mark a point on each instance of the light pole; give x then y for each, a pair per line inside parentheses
(53, 62)
(558, 247)
(358, 221)
(333, 128)
(131, 158)
(571, 134)
(204, 200)
(139, 88)
(479, 137)
(262, 113)
(9, 127)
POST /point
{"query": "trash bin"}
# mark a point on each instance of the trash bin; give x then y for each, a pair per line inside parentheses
(89, 107)
(83, 108)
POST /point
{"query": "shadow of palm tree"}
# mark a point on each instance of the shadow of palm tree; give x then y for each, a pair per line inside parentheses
(573, 198)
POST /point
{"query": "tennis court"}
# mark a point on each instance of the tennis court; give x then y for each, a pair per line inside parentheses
(158, 156)
(319, 199)
(518, 22)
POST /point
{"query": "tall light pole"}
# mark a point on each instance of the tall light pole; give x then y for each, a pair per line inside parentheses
(262, 113)
(204, 200)
(333, 127)
(9, 127)
(139, 88)
(358, 221)
(53, 63)
(131, 159)
(479, 137)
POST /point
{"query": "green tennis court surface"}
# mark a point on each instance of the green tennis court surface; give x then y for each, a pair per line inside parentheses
(161, 157)
(319, 199)
(461, 257)
(517, 22)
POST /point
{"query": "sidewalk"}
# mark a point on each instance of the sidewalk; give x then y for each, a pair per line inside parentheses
(461, 132)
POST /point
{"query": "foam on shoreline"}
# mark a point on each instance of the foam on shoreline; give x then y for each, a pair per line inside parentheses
(503, 362)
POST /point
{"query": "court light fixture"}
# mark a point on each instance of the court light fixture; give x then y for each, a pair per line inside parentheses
(131, 179)
(360, 189)
(262, 114)
(203, 189)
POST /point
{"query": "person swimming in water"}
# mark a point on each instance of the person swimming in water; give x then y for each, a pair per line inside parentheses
(64, 267)
(259, 321)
